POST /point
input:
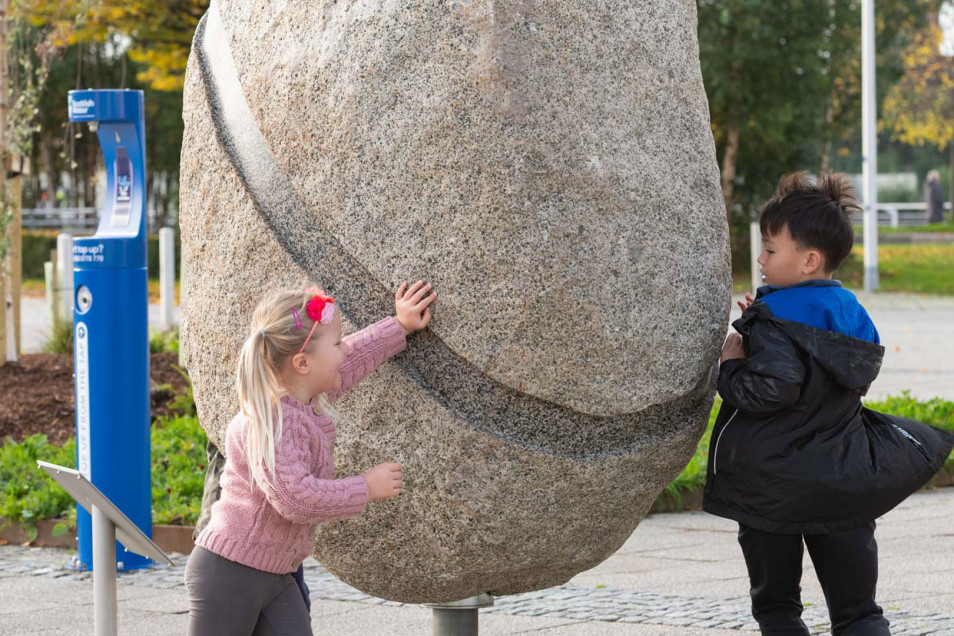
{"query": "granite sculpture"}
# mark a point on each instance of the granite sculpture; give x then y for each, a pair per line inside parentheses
(549, 166)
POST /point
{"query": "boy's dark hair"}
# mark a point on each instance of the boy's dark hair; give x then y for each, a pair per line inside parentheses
(818, 215)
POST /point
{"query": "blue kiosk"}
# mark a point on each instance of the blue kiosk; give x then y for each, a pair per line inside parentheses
(110, 324)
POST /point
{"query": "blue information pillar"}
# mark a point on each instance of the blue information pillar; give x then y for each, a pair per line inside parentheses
(110, 323)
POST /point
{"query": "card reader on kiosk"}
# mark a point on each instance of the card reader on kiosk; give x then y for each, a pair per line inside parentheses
(110, 323)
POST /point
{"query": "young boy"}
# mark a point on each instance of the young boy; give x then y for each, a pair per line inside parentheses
(794, 456)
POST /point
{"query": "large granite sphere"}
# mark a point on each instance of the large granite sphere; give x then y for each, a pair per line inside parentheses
(549, 166)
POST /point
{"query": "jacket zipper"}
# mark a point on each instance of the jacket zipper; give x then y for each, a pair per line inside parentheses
(715, 459)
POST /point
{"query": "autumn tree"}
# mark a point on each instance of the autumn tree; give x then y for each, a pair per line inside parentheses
(141, 44)
(159, 32)
(919, 109)
(783, 81)
(25, 57)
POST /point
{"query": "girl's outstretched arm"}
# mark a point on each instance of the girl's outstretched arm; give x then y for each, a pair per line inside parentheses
(375, 344)
(368, 348)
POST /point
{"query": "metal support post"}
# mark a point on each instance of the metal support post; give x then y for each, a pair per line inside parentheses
(458, 618)
(869, 143)
(104, 575)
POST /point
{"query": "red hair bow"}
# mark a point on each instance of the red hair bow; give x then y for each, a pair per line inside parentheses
(316, 306)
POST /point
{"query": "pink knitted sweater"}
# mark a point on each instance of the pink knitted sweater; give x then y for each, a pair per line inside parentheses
(272, 529)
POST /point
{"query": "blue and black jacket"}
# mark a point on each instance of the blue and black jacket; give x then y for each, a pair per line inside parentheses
(793, 450)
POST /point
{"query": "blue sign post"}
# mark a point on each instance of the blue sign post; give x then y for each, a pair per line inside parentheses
(110, 323)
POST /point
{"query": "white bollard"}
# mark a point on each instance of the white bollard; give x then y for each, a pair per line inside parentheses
(167, 277)
(64, 275)
(756, 232)
(50, 281)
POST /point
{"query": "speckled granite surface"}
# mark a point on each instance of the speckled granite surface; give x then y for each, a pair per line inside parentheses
(549, 167)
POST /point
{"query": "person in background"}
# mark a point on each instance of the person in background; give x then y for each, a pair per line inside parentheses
(934, 197)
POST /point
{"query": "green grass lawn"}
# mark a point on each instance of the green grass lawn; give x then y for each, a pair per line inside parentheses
(934, 228)
(917, 268)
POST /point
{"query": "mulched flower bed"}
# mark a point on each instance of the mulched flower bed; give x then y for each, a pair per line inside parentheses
(36, 394)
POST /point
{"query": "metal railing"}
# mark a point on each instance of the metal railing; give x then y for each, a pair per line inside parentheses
(86, 219)
(67, 219)
(80, 220)
(901, 214)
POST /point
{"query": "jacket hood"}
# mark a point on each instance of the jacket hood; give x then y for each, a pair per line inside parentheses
(851, 362)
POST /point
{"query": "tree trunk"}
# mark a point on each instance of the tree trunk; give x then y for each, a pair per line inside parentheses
(4, 95)
(92, 165)
(728, 167)
(50, 167)
(826, 143)
(34, 178)
(952, 184)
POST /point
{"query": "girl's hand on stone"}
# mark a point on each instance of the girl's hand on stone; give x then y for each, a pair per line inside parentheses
(411, 305)
(384, 481)
(732, 349)
(745, 304)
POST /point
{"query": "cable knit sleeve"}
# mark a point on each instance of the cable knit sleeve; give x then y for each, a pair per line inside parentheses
(369, 348)
(299, 495)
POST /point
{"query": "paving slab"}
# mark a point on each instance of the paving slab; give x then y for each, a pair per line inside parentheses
(687, 597)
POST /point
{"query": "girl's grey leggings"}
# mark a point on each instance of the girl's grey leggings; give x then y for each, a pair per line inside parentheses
(226, 597)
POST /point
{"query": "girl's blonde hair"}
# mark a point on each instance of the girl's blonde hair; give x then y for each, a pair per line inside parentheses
(272, 341)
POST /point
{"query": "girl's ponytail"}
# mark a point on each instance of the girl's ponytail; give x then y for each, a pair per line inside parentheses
(259, 398)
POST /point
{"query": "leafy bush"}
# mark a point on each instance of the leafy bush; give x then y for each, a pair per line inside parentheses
(184, 402)
(61, 337)
(178, 470)
(29, 494)
(35, 250)
(164, 341)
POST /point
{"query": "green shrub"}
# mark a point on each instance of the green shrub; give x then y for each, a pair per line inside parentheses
(36, 251)
(61, 337)
(178, 471)
(29, 494)
(184, 403)
(164, 341)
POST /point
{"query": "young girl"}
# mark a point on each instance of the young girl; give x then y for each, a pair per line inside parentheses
(279, 482)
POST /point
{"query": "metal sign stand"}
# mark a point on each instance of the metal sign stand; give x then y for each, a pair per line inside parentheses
(458, 618)
(109, 524)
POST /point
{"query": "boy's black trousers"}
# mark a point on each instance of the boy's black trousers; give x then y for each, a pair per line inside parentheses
(847, 567)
